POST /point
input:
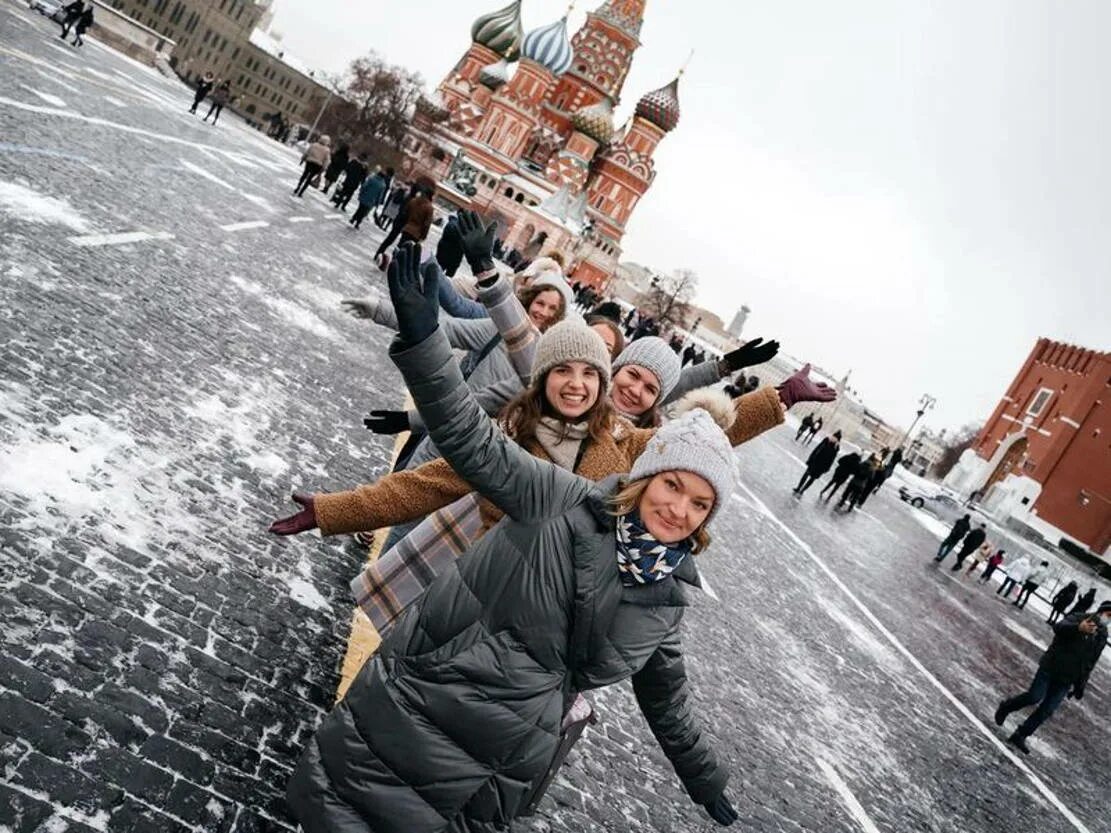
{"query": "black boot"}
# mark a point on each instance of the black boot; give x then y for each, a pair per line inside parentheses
(1001, 714)
(1019, 742)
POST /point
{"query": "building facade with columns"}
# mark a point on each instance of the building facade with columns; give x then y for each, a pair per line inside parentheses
(1044, 456)
(522, 129)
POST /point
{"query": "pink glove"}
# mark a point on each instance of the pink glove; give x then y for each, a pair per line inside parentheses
(800, 388)
(303, 521)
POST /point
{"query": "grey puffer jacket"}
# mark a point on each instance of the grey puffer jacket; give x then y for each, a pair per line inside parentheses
(449, 725)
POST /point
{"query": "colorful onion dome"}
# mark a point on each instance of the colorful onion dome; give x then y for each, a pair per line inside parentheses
(550, 47)
(596, 121)
(494, 75)
(661, 107)
(501, 30)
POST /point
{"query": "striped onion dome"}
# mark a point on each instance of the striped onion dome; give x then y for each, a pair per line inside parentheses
(596, 121)
(500, 30)
(550, 47)
(494, 75)
(661, 107)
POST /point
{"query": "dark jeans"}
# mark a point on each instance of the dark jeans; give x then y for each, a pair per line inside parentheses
(1024, 594)
(1006, 587)
(390, 238)
(988, 570)
(831, 487)
(962, 555)
(945, 548)
(360, 215)
(216, 107)
(806, 481)
(1047, 692)
(311, 170)
(197, 99)
(853, 494)
(343, 195)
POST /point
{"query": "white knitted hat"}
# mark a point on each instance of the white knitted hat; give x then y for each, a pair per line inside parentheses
(652, 353)
(694, 443)
(554, 280)
(571, 341)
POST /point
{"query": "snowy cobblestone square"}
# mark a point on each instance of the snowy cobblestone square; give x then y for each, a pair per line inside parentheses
(163, 659)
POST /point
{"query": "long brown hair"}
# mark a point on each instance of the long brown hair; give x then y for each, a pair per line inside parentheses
(522, 414)
(529, 294)
(627, 498)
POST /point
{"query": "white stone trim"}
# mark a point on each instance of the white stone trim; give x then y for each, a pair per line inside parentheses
(1069, 421)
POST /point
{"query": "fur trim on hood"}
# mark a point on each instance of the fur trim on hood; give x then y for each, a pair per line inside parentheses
(711, 400)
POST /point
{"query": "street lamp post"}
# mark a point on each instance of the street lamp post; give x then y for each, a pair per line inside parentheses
(924, 404)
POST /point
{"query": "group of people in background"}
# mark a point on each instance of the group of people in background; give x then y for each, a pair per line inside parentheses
(78, 16)
(220, 92)
(864, 475)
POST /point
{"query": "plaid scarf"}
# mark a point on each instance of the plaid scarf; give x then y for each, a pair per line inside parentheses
(641, 559)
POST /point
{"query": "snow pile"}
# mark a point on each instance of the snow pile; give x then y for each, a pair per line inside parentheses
(25, 204)
(291, 312)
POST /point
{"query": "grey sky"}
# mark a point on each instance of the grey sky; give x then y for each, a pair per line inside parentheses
(916, 191)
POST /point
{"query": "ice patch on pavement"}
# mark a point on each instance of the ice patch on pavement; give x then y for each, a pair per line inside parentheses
(864, 637)
(301, 589)
(1015, 627)
(937, 527)
(26, 204)
(291, 312)
(47, 97)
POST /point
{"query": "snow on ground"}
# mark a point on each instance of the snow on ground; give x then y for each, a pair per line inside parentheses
(23, 203)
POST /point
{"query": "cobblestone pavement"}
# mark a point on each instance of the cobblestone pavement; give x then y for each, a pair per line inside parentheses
(162, 659)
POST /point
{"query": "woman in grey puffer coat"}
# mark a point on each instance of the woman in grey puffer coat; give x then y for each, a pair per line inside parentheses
(450, 724)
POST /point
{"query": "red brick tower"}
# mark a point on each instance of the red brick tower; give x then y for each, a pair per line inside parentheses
(604, 49)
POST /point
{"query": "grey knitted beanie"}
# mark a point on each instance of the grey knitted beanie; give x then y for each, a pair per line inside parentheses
(652, 353)
(694, 443)
(571, 341)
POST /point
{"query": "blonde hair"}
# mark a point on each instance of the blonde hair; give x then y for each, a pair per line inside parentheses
(627, 498)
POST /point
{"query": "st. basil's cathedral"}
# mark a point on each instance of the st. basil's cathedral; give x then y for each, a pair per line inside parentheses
(522, 130)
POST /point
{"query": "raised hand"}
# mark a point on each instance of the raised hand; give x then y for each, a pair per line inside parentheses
(449, 251)
(749, 354)
(721, 811)
(387, 422)
(364, 308)
(303, 521)
(478, 241)
(414, 293)
(801, 388)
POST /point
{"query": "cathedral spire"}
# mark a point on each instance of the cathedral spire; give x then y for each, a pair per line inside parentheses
(627, 15)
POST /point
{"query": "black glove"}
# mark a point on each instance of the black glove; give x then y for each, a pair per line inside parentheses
(478, 241)
(721, 811)
(414, 294)
(387, 422)
(449, 251)
(749, 354)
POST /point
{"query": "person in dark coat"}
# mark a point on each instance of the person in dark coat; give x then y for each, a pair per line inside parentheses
(1061, 601)
(1085, 602)
(370, 194)
(858, 484)
(398, 203)
(453, 724)
(1078, 641)
(970, 544)
(876, 476)
(220, 97)
(845, 468)
(807, 421)
(204, 87)
(959, 530)
(353, 175)
(336, 165)
(815, 427)
(84, 22)
(819, 462)
(72, 11)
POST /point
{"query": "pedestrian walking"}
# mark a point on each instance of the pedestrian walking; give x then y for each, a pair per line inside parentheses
(861, 477)
(1063, 671)
(1032, 582)
(204, 87)
(581, 587)
(220, 97)
(316, 156)
(815, 427)
(846, 466)
(412, 222)
(804, 426)
(1061, 601)
(370, 194)
(819, 462)
(874, 477)
(971, 542)
(72, 11)
(391, 207)
(353, 175)
(1085, 602)
(83, 24)
(1016, 577)
(335, 165)
(889, 469)
(992, 566)
(981, 556)
(959, 530)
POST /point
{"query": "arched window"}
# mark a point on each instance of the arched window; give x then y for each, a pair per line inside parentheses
(509, 193)
(519, 198)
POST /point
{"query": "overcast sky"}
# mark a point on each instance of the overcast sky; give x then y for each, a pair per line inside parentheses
(916, 191)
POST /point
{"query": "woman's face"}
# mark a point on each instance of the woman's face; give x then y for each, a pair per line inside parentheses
(607, 334)
(675, 504)
(544, 308)
(572, 389)
(635, 390)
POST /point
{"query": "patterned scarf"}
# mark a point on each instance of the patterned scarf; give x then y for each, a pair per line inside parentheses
(641, 559)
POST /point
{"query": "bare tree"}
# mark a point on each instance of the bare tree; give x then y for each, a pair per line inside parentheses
(668, 300)
(959, 440)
